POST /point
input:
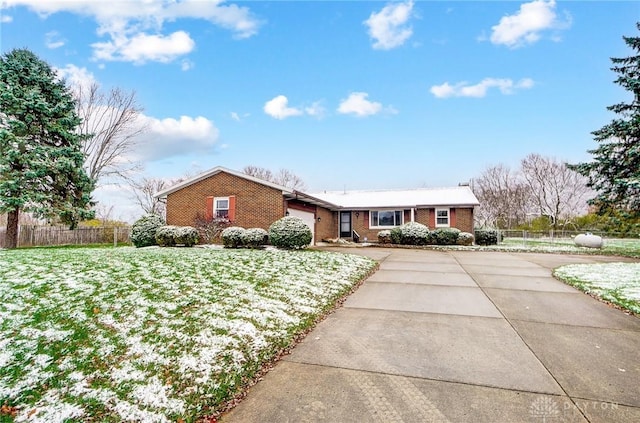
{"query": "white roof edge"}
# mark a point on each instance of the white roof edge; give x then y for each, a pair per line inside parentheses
(409, 206)
(214, 171)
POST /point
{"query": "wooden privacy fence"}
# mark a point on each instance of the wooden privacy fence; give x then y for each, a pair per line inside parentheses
(31, 236)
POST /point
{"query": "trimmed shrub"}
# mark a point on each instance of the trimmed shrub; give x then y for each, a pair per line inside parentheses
(165, 236)
(384, 237)
(232, 237)
(487, 236)
(255, 237)
(464, 238)
(445, 236)
(396, 235)
(143, 231)
(290, 232)
(188, 236)
(414, 233)
(431, 238)
(169, 236)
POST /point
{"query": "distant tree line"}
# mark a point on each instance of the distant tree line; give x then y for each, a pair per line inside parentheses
(540, 187)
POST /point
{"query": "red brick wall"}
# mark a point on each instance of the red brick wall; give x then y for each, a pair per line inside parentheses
(423, 216)
(461, 218)
(257, 205)
(464, 219)
(360, 224)
(327, 227)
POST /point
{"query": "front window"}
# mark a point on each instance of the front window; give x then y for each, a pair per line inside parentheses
(386, 218)
(221, 207)
(442, 217)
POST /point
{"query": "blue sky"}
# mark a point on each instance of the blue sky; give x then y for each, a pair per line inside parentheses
(355, 95)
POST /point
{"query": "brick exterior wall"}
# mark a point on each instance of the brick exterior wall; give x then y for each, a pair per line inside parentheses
(327, 227)
(461, 218)
(360, 224)
(464, 220)
(257, 205)
(423, 216)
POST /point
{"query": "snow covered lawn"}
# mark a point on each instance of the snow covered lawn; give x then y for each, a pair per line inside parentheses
(618, 283)
(612, 246)
(151, 335)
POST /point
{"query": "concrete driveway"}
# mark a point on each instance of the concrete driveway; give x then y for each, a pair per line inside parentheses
(459, 337)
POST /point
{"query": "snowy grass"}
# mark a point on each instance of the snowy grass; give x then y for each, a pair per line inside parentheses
(618, 283)
(612, 247)
(152, 335)
(616, 247)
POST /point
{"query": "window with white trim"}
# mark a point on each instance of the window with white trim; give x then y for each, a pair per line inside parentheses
(221, 207)
(442, 217)
(385, 218)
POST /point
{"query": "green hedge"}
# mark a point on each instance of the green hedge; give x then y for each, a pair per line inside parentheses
(290, 232)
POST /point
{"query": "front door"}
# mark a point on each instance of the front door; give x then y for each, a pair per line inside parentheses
(345, 224)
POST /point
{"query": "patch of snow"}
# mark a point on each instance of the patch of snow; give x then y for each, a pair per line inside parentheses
(200, 314)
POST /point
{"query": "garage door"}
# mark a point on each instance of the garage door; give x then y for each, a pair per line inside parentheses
(308, 218)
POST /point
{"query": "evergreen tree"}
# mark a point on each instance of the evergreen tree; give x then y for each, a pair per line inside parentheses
(614, 172)
(41, 159)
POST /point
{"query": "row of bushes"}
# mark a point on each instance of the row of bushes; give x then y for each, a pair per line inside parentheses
(289, 232)
(170, 236)
(292, 233)
(151, 230)
(236, 237)
(414, 233)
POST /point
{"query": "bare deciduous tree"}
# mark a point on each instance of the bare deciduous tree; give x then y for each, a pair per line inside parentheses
(557, 191)
(111, 123)
(103, 213)
(258, 172)
(144, 191)
(541, 187)
(283, 177)
(504, 198)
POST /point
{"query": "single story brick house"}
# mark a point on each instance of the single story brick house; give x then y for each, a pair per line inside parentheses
(255, 203)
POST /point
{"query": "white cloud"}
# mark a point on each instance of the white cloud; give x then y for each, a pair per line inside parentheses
(6, 19)
(135, 27)
(388, 28)
(143, 48)
(76, 77)
(53, 40)
(463, 89)
(186, 65)
(526, 26)
(237, 117)
(175, 137)
(357, 104)
(316, 110)
(278, 108)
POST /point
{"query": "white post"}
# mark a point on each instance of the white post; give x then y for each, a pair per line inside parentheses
(115, 236)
